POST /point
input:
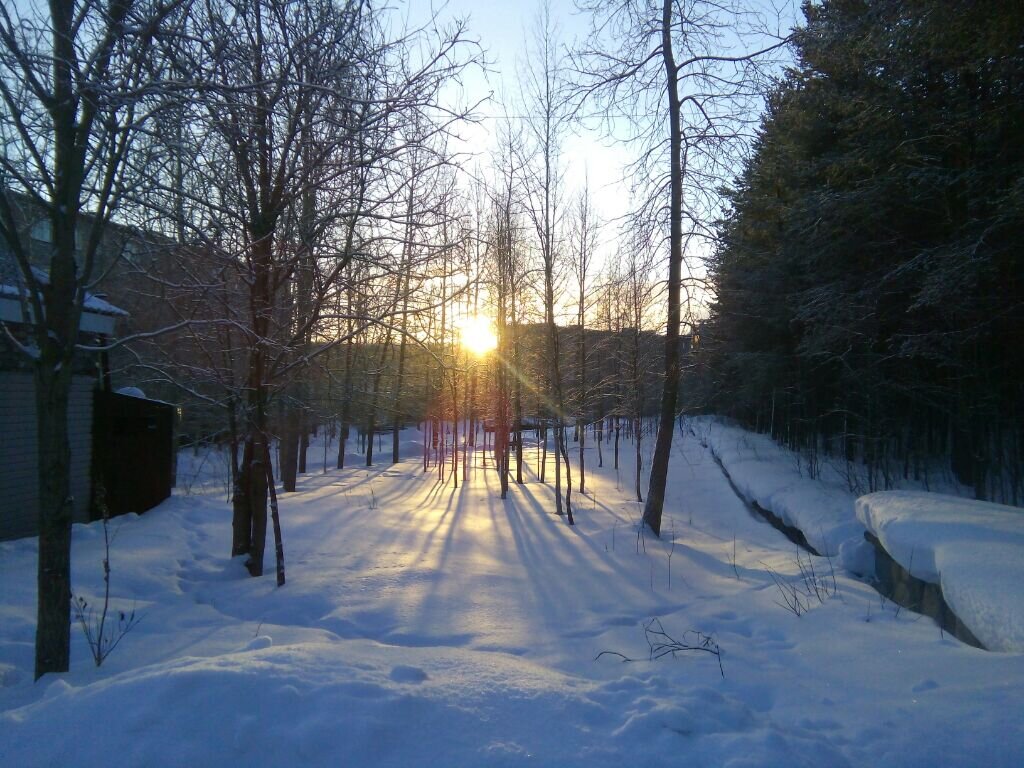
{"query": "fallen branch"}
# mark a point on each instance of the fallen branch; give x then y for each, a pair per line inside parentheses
(660, 643)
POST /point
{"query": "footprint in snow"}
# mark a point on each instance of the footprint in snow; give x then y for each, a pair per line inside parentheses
(407, 674)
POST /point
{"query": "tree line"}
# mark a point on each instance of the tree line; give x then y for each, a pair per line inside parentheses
(869, 303)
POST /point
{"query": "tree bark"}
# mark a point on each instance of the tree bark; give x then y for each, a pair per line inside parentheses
(53, 627)
(663, 444)
(289, 442)
(275, 517)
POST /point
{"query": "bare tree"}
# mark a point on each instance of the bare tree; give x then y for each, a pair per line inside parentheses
(77, 89)
(261, 107)
(404, 276)
(638, 293)
(547, 121)
(685, 79)
(310, 112)
(583, 245)
(504, 245)
(474, 263)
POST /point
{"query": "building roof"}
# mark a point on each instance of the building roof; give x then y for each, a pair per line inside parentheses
(98, 315)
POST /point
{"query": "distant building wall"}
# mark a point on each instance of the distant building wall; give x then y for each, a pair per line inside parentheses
(19, 481)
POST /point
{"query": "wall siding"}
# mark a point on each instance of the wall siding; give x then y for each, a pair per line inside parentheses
(19, 495)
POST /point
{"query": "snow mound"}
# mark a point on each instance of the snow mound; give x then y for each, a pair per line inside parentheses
(974, 550)
(769, 476)
(299, 704)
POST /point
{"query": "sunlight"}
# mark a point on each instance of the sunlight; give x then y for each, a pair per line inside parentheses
(476, 334)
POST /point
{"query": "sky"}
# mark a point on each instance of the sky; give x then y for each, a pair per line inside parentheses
(502, 28)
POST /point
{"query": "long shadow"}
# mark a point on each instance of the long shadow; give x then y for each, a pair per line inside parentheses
(529, 542)
(555, 563)
(452, 507)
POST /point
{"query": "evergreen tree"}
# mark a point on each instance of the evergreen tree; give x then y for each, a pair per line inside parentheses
(868, 289)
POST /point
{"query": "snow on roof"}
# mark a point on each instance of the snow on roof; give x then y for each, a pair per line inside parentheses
(131, 392)
(92, 303)
(974, 550)
(100, 306)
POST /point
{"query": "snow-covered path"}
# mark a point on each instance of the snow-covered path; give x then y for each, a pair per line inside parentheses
(464, 569)
(422, 626)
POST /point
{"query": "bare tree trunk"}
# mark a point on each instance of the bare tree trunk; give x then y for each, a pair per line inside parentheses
(304, 427)
(288, 441)
(544, 451)
(276, 518)
(53, 628)
(468, 411)
(346, 402)
(669, 395)
(581, 419)
(500, 423)
(371, 420)
(455, 431)
(397, 401)
(259, 470)
(233, 443)
(518, 396)
(558, 467)
(637, 435)
(617, 442)
(568, 480)
(403, 278)
(262, 308)
(241, 523)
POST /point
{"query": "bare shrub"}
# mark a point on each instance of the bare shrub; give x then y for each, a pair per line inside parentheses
(102, 635)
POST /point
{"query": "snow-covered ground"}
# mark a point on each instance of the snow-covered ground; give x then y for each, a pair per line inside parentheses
(973, 549)
(426, 626)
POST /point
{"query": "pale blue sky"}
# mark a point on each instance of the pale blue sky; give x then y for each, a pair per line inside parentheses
(502, 27)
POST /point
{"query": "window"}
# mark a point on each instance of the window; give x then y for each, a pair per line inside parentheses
(41, 231)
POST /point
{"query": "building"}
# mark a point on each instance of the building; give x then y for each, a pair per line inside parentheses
(18, 449)
(102, 448)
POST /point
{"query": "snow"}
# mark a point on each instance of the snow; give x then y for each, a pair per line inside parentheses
(422, 626)
(92, 303)
(100, 306)
(773, 479)
(974, 550)
(132, 392)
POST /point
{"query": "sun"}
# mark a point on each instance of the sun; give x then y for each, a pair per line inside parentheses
(476, 334)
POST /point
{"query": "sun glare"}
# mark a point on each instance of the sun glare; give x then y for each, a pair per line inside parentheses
(477, 335)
